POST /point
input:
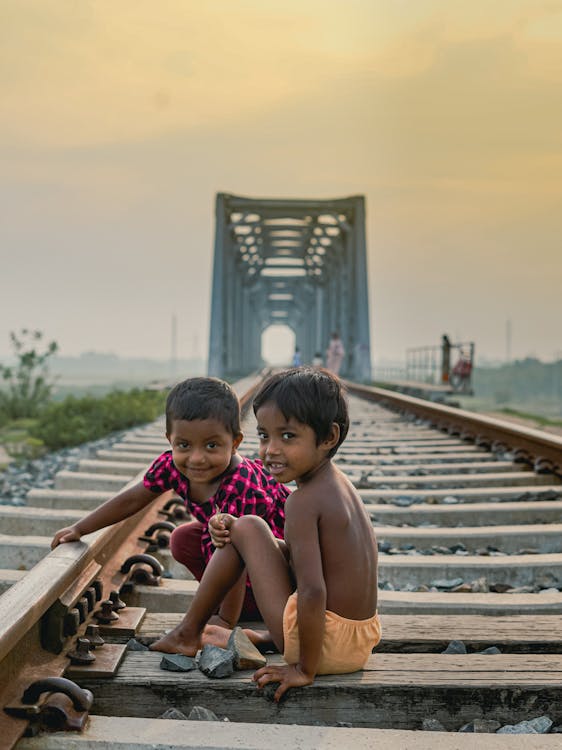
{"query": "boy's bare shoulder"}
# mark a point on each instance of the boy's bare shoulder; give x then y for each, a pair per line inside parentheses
(331, 486)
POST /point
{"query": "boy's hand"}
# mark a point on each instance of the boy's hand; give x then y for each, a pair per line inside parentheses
(219, 526)
(68, 534)
(289, 676)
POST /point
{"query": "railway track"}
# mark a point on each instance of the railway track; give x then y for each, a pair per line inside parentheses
(470, 551)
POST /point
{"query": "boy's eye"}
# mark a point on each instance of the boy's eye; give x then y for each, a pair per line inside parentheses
(262, 435)
(182, 444)
(212, 444)
(288, 435)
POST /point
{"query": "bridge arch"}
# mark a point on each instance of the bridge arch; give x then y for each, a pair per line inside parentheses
(299, 263)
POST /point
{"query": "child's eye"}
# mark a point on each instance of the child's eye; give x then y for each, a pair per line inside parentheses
(288, 435)
(182, 445)
(262, 435)
(212, 444)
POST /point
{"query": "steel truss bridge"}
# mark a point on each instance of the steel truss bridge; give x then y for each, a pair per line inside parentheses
(298, 263)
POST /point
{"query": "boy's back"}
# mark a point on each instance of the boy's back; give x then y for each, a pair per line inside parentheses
(330, 536)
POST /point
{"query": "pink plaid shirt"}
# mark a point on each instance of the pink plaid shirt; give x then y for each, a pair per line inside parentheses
(247, 490)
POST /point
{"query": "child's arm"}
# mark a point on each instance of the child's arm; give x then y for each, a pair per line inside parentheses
(121, 506)
(306, 559)
(302, 529)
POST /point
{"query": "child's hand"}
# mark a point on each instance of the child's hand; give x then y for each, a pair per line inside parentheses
(69, 534)
(289, 676)
(219, 526)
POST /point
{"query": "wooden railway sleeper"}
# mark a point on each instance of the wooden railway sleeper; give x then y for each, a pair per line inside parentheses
(65, 707)
(160, 540)
(140, 574)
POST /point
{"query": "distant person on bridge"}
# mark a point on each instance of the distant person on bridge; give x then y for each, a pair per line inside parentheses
(297, 360)
(318, 591)
(335, 353)
(204, 468)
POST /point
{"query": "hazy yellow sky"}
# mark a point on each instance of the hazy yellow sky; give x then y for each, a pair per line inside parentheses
(119, 121)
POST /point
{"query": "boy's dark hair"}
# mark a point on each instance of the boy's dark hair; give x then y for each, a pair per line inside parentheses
(312, 396)
(203, 398)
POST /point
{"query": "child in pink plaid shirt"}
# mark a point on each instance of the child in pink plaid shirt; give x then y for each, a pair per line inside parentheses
(204, 468)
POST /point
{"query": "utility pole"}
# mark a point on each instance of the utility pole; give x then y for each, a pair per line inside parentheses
(174, 348)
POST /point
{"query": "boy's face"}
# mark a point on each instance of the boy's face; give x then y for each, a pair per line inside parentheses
(202, 448)
(288, 448)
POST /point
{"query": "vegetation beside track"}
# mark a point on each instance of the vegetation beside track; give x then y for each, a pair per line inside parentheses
(78, 420)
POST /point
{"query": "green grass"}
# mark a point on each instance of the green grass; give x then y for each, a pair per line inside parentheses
(544, 421)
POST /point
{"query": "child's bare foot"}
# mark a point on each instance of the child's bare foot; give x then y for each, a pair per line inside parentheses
(215, 635)
(218, 620)
(259, 637)
(176, 642)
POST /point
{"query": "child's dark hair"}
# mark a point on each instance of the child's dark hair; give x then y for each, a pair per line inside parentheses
(312, 396)
(203, 398)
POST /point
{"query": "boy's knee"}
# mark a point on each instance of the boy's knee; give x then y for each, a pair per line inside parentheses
(249, 525)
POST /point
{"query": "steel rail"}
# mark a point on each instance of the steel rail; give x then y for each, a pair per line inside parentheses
(22, 659)
(539, 449)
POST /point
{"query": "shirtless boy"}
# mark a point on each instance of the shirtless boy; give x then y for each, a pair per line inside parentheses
(329, 623)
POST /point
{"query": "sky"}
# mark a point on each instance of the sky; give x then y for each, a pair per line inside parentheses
(120, 121)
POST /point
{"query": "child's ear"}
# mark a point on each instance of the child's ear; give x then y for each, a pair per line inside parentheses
(333, 437)
(237, 440)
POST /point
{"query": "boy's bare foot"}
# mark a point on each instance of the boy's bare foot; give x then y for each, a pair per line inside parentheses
(259, 637)
(218, 620)
(175, 642)
(215, 635)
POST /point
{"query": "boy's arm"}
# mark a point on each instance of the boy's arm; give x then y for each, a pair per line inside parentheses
(306, 558)
(121, 506)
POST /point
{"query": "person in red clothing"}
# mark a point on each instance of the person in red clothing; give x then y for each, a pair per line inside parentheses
(205, 469)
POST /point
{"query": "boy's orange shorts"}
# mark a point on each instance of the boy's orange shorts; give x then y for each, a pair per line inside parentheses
(347, 643)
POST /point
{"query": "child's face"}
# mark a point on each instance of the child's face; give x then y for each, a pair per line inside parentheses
(202, 448)
(288, 448)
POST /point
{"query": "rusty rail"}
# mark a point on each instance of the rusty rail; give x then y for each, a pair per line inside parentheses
(542, 451)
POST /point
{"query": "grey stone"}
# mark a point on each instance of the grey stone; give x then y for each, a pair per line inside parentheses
(483, 726)
(491, 650)
(432, 725)
(480, 586)
(458, 547)
(450, 500)
(246, 655)
(173, 713)
(446, 583)
(455, 647)
(403, 502)
(540, 725)
(134, 645)
(200, 713)
(177, 663)
(216, 662)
